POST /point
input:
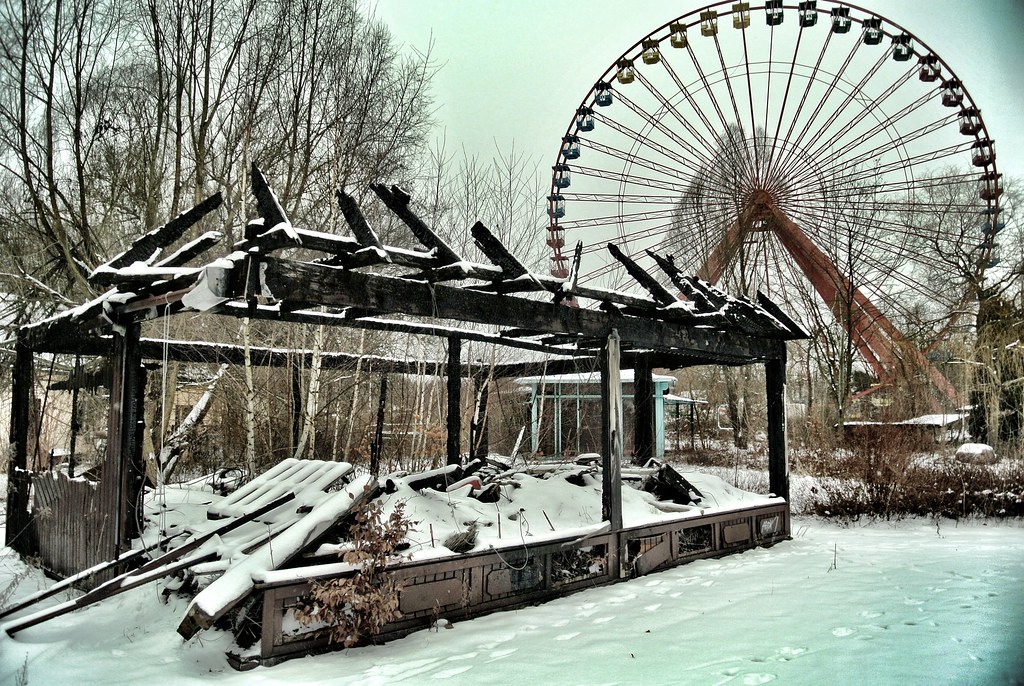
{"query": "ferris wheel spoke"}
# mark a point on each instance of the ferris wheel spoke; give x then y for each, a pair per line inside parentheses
(750, 101)
(851, 96)
(884, 184)
(676, 115)
(610, 220)
(727, 140)
(788, 138)
(751, 165)
(785, 97)
(696, 156)
(870, 109)
(853, 156)
(616, 153)
(697, 109)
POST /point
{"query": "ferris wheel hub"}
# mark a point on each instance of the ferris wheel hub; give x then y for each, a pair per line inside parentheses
(759, 206)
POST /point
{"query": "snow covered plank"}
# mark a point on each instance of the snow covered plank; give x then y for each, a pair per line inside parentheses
(217, 599)
(307, 479)
(148, 247)
(158, 567)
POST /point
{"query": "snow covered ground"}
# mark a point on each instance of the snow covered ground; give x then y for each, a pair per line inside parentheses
(918, 602)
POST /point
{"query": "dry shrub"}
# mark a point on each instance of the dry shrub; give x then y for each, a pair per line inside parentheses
(897, 486)
(355, 608)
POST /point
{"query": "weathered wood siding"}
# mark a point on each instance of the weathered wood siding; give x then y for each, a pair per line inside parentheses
(70, 530)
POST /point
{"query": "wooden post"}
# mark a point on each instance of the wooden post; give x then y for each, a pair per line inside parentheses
(18, 477)
(122, 469)
(454, 422)
(295, 371)
(76, 376)
(611, 434)
(775, 390)
(377, 447)
(643, 405)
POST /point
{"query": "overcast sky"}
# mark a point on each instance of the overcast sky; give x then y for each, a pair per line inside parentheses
(514, 71)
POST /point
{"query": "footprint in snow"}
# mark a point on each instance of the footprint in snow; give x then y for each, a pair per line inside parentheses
(500, 654)
(754, 679)
(843, 631)
(653, 608)
(449, 673)
(787, 653)
(871, 614)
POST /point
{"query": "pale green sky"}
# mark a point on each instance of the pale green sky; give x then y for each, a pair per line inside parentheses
(515, 70)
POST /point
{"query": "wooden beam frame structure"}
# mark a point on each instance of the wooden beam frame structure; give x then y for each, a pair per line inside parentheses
(280, 272)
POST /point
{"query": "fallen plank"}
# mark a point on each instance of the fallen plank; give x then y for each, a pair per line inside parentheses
(232, 587)
(131, 557)
(101, 591)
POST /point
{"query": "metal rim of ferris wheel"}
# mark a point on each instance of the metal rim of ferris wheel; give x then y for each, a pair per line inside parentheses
(831, 157)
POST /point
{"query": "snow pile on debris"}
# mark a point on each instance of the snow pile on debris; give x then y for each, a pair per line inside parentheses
(510, 507)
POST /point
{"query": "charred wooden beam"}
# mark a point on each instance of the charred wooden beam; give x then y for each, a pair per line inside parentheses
(397, 201)
(685, 286)
(299, 285)
(569, 288)
(522, 284)
(191, 250)
(361, 228)
(775, 391)
(342, 318)
(774, 310)
(269, 207)
(496, 251)
(454, 419)
(651, 285)
(145, 249)
(643, 404)
(18, 534)
(140, 277)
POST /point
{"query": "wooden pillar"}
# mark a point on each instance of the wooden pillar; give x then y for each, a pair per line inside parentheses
(123, 471)
(643, 406)
(454, 422)
(295, 376)
(611, 434)
(18, 535)
(377, 446)
(775, 391)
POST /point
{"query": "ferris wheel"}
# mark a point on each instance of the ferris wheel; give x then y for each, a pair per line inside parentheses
(813, 151)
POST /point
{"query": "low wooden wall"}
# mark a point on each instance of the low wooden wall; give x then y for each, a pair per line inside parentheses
(69, 530)
(475, 584)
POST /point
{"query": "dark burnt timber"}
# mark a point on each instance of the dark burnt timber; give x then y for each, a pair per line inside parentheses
(300, 285)
(351, 281)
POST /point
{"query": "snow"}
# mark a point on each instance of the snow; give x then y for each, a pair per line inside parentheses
(237, 581)
(917, 602)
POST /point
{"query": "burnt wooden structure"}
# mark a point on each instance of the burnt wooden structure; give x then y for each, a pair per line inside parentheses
(285, 273)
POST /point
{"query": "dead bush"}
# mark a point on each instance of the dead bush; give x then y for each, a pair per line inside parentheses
(355, 608)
